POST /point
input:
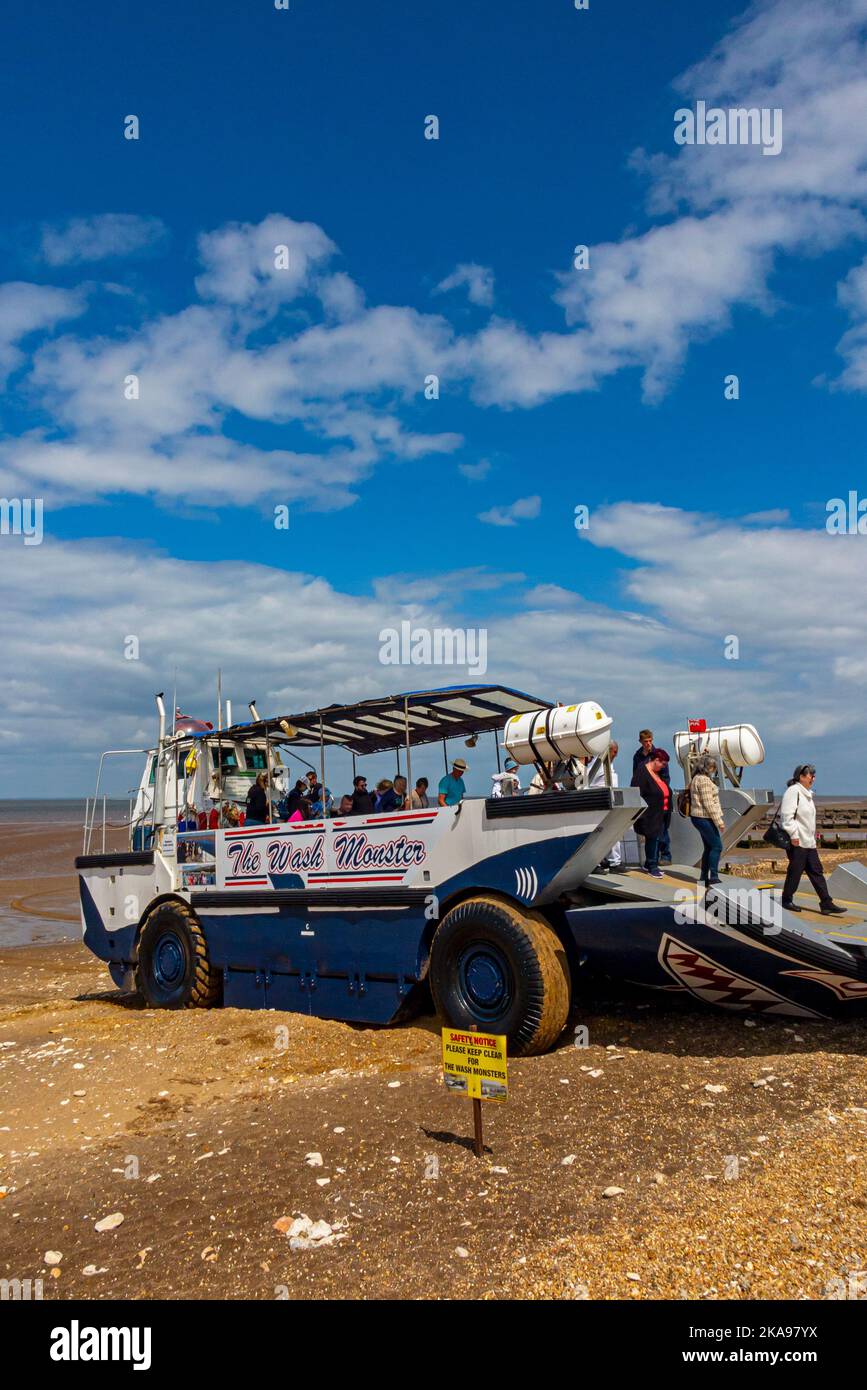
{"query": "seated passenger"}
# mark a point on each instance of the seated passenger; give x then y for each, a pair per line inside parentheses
(572, 774)
(419, 799)
(386, 799)
(542, 781)
(294, 798)
(257, 802)
(320, 807)
(363, 802)
(400, 791)
(507, 783)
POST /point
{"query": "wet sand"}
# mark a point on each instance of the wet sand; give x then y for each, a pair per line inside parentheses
(38, 883)
(38, 886)
(740, 1147)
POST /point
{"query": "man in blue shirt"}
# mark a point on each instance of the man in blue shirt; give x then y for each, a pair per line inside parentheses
(452, 789)
(394, 799)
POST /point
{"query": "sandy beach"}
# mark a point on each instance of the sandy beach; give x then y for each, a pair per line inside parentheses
(737, 1146)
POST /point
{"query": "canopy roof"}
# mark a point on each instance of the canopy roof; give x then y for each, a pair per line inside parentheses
(373, 726)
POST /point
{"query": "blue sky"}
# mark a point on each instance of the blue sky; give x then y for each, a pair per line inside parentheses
(558, 387)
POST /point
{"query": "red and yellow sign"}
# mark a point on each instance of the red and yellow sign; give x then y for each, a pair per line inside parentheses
(474, 1064)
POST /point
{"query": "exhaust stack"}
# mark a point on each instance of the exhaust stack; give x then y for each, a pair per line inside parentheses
(159, 801)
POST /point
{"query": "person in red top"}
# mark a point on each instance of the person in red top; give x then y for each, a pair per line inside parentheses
(656, 795)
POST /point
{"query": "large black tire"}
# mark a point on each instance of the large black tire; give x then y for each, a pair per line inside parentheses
(503, 968)
(173, 969)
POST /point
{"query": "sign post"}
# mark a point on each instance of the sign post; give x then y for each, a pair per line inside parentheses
(474, 1065)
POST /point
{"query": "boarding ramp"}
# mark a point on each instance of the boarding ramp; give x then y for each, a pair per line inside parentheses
(739, 901)
(848, 884)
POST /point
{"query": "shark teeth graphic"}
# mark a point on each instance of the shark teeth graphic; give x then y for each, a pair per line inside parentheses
(841, 985)
(713, 984)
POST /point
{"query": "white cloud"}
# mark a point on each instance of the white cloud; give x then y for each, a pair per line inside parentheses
(506, 365)
(246, 266)
(289, 639)
(206, 471)
(649, 297)
(807, 60)
(179, 360)
(475, 471)
(852, 295)
(26, 309)
(524, 509)
(100, 238)
(341, 297)
(646, 298)
(791, 596)
(773, 516)
(451, 587)
(196, 366)
(478, 280)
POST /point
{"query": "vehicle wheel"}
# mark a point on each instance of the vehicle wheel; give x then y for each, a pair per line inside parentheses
(497, 966)
(173, 969)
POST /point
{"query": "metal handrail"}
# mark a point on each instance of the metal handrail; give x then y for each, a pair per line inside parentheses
(88, 826)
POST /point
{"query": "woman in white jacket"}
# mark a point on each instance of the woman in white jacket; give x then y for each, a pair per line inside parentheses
(798, 819)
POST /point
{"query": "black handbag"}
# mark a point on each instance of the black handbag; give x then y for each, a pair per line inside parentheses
(775, 834)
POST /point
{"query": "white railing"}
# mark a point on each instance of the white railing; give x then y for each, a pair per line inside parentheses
(90, 807)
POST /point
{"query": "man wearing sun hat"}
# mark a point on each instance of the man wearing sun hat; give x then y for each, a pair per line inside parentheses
(451, 788)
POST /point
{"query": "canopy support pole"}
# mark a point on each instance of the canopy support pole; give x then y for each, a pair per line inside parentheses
(408, 755)
(268, 766)
(497, 746)
(322, 763)
(220, 747)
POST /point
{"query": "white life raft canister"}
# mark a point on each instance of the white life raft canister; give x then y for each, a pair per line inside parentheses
(738, 743)
(549, 735)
